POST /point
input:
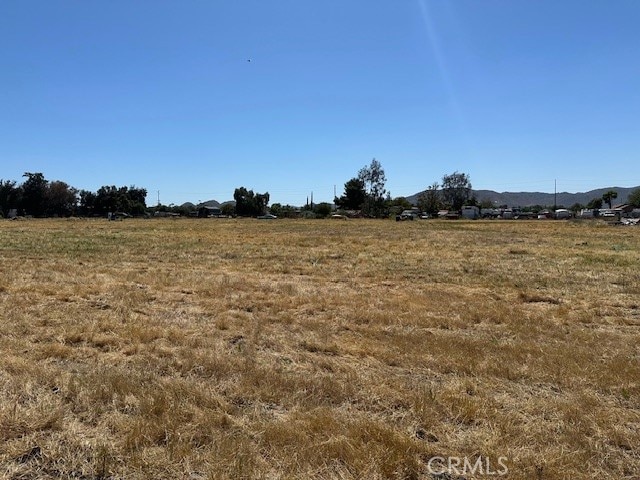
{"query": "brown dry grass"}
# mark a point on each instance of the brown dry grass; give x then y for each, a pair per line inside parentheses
(320, 349)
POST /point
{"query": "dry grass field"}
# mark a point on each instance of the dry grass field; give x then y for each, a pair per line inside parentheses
(246, 349)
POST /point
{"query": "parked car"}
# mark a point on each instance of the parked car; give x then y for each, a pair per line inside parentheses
(407, 215)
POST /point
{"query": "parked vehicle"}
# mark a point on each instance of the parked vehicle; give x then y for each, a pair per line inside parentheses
(407, 215)
(563, 214)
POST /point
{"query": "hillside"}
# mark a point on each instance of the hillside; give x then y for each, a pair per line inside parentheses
(524, 199)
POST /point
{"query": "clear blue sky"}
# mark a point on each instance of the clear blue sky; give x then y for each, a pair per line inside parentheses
(161, 94)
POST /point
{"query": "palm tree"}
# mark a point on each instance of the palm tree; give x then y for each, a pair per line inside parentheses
(609, 196)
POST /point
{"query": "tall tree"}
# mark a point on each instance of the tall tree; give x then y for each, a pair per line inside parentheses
(249, 204)
(87, 202)
(137, 199)
(34, 193)
(109, 198)
(261, 203)
(374, 180)
(61, 199)
(610, 196)
(245, 202)
(429, 201)
(9, 196)
(354, 195)
(106, 200)
(456, 189)
(634, 198)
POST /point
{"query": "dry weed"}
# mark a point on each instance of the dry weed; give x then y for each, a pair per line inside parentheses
(317, 349)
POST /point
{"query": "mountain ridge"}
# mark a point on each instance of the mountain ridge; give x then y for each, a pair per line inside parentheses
(527, 199)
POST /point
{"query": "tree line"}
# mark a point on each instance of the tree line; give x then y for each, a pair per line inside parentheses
(365, 194)
(38, 197)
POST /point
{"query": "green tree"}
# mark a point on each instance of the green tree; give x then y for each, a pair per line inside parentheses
(576, 207)
(284, 211)
(87, 202)
(397, 205)
(245, 201)
(228, 209)
(276, 209)
(249, 204)
(634, 198)
(456, 190)
(354, 195)
(184, 210)
(609, 197)
(131, 200)
(430, 201)
(595, 204)
(261, 203)
(323, 209)
(106, 200)
(9, 196)
(137, 199)
(34, 194)
(61, 199)
(374, 180)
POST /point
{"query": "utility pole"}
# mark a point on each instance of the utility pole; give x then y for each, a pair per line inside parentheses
(158, 197)
(555, 195)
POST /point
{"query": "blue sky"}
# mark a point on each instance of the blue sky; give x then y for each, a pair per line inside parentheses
(161, 94)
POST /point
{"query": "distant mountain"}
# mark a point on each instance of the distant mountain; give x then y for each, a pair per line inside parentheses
(210, 203)
(526, 199)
